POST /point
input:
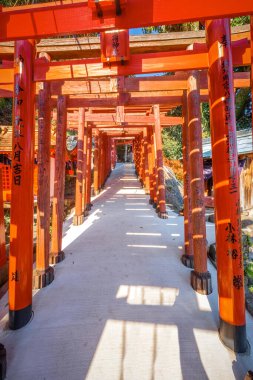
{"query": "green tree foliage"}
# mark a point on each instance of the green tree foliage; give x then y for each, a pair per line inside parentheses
(172, 137)
(205, 119)
(172, 142)
(173, 28)
(243, 108)
(5, 111)
(237, 21)
(12, 3)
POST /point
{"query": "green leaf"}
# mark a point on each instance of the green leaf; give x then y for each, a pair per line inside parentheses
(249, 270)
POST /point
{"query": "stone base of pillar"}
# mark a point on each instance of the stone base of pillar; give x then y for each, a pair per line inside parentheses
(163, 215)
(96, 192)
(20, 318)
(249, 375)
(188, 260)
(41, 279)
(78, 220)
(201, 282)
(88, 206)
(151, 201)
(56, 258)
(3, 362)
(234, 337)
(85, 213)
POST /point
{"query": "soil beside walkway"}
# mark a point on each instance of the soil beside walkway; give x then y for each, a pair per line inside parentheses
(121, 306)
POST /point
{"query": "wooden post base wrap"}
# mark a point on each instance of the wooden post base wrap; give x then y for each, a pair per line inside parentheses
(41, 279)
(78, 220)
(188, 260)
(163, 215)
(89, 206)
(234, 337)
(201, 282)
(55, 259)
(19, 318)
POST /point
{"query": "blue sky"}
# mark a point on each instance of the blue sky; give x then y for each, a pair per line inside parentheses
(138, 31)
(134, 32)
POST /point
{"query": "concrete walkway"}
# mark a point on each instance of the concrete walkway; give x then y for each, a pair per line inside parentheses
(121, 307)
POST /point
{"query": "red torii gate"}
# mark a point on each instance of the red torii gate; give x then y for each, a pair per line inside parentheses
(218, 60)
(73, 17)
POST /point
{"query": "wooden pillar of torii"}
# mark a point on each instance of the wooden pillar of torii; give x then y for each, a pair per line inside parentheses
(230, 269)
(150, 166)
(140, 158)
(143, 159)
(161, 203)
(79, 216)
(43, 274)
(3, 257)
(88, 170)
(57, 255)
(108, 144)
(113, 154)
(137, 156)
(102, 159)
(154, 172)
(96, 165)
(146, 161)
(109, 157)
(21, 227)
(85, 172)
(141, 164)
(200, 277)
(187, 257)
(100, 156)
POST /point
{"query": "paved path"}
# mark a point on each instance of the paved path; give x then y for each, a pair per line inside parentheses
(121, 307)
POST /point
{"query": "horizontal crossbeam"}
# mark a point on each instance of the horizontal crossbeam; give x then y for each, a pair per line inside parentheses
(149, 87)
(128, 119)
(139, 64)
(72, 16)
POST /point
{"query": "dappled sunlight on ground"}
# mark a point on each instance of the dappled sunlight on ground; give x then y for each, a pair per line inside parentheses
(148, 295)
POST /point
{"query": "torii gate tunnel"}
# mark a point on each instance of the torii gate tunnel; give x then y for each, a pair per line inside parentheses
(96, 97)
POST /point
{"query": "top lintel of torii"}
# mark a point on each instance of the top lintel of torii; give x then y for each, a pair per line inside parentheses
(74, 17)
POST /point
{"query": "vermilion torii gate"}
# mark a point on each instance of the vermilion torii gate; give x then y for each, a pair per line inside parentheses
(49, 20)
(26, 24)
